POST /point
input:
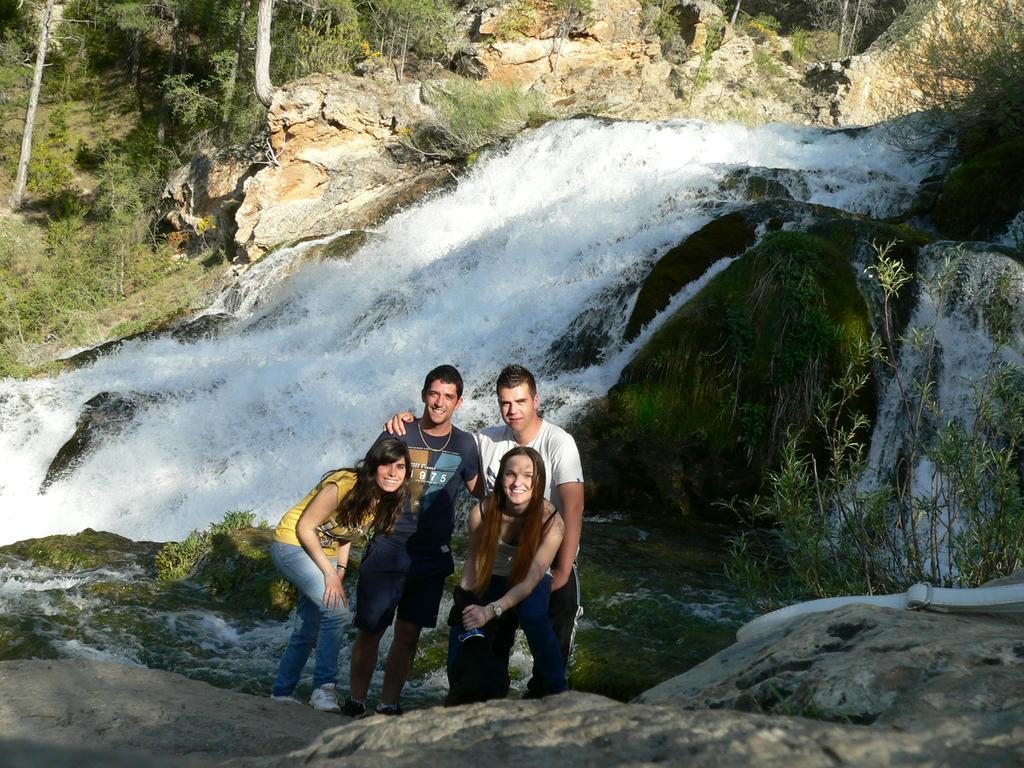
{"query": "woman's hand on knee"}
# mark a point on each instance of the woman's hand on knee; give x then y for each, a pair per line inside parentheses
(475, 616)
(334, 591)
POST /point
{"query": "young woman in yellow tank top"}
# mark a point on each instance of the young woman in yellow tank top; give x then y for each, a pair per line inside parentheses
(311, 549)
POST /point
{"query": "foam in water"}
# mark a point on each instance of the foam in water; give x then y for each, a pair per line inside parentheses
(493, 272)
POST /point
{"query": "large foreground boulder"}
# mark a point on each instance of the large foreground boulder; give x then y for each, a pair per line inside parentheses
(958, 677)
(585, 730)
(70, 703)
(93, 713)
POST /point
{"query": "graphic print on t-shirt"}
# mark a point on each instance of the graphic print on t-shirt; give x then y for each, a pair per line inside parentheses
(431, 470)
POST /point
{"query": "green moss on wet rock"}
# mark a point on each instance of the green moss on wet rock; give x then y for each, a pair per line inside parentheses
(83, 551)
(981, 196)
(701, 411)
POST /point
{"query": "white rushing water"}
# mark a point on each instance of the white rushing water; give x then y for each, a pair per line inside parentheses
(570, 219)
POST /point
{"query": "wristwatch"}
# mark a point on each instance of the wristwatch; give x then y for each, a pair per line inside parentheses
(497, 610)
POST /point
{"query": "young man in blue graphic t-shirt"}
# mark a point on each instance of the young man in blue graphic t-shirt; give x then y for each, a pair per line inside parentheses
(404, 572)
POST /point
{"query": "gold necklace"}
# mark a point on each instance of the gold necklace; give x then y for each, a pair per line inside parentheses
(427, 445)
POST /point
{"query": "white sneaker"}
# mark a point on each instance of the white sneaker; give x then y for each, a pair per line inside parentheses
(290, 698)
(325, 699)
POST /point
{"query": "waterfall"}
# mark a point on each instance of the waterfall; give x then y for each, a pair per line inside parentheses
(955, 354)
(562, 225)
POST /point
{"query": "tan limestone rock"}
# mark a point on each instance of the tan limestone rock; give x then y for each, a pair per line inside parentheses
(202, 195)
(334, 140)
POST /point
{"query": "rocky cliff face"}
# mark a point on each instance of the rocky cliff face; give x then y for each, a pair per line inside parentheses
(603, 62)
(334, 161)
(880, 84)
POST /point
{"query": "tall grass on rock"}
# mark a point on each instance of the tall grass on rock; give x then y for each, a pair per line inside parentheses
(178, 559)
(232, 560)
(470, 115)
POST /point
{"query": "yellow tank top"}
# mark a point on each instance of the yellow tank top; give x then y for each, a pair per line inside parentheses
(345, 481)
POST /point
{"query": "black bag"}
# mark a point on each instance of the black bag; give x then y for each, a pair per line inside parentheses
(477, 673)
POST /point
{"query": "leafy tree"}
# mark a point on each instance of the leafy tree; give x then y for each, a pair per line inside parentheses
(426, 28)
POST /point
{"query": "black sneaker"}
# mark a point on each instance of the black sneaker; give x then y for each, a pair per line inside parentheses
(389, 709)
(352, 708)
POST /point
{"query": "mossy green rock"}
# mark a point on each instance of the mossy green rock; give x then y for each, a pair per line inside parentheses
(729, 235)
(340, 248)
(983, 194)
(83, 551)
(699, 414)
(726, 236)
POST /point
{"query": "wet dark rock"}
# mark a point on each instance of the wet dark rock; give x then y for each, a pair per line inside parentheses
(340, 248)
(103, 416)
(589, 335)
(762, 184)
(182, 331)
(982, 195)
(727, 236)
(201, 328)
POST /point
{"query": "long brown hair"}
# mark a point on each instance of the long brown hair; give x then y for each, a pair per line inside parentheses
(366, 494)
(534, 524)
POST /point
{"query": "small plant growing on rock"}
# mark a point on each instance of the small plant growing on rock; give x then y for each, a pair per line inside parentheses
(177, 559)
(518, 19)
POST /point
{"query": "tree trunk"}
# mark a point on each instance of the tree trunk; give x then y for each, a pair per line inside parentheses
(844, 6)
(853, 30)
(264, 89)
(18, 193)
(735, 13)
(229, 88)
(136, 55)
(161, 126)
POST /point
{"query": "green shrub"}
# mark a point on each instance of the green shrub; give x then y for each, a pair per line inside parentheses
(766, 64)
(471, 115)
(52, 166)
(518, 18)
(330, 44)
(800, 41)
(177, 559)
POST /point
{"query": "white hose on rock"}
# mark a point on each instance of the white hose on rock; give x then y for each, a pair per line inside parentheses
(1007, 598)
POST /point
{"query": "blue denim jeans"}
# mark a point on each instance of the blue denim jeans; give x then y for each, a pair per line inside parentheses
(532, 617)
(317, 625)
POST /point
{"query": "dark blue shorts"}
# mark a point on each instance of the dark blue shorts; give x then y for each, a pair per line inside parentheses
(392, 579)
